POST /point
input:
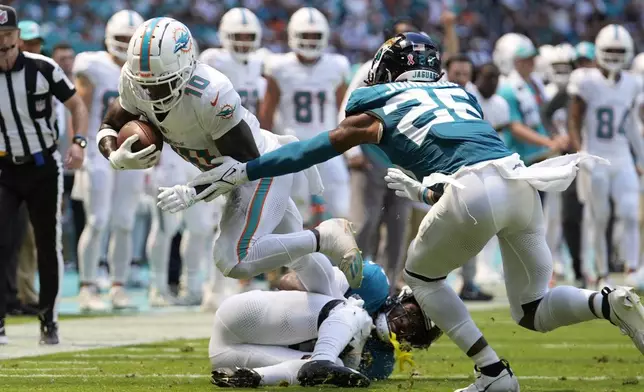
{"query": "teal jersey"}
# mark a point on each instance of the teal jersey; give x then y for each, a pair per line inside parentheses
(429, 127)
(527, 151)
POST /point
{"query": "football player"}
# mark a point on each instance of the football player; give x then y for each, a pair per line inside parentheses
(306, 86)
(602, 122)
(435, 131)
(199, 225)
(110, 197)
(200, 115)
(322, 333)
(240, 33)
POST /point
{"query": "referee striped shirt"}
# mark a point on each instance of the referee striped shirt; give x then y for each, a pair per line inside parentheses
(28, 121)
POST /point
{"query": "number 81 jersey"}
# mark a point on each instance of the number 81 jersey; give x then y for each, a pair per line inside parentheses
(608, 109)
(103, 73)
(307, 104)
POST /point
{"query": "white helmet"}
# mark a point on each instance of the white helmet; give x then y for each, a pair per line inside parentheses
(308, 20)
(638, 64)
(613, 48)
(160, 61)
(239, 21)
(561, 59)
(121, 24)
(503, 55)
(543, 61)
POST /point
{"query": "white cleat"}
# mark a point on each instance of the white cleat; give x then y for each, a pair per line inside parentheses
(119, 298)
(337, 241)
(506, 381)
(159, 299)
(189, 299)
(90, 301)
(627, 312)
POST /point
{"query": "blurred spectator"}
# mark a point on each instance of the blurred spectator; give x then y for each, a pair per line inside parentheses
(356, 24)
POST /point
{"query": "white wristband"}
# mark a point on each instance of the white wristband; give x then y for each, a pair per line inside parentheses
(104, 132)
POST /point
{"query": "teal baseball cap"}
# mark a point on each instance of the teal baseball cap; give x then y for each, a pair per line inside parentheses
(29, 30)
(585, 50)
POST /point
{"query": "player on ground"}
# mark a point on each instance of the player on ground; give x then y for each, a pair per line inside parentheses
(601, 122)
(110, 197)
(306, 86)
(240, 33)
(200, 116)
(338, 326)
(435, 130)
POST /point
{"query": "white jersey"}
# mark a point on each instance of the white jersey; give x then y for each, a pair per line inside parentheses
(307, 103)
(208, 109)
(246, 77)
(101, 70)
(608, 123)
(496, 110)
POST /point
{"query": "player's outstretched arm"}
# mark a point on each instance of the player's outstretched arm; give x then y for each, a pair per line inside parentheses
(114, 120)
(291, 158)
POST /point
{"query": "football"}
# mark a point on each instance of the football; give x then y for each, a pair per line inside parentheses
(148, 135)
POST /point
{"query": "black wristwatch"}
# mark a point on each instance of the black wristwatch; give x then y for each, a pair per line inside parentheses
(80, 140)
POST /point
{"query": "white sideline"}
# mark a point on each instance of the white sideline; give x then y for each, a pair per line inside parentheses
(104, 332)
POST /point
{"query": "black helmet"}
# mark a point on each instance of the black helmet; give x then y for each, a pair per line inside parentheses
(407, 56)
(403, 316)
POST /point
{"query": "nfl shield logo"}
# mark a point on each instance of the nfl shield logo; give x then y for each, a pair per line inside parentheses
(3, 17)
(410, 59)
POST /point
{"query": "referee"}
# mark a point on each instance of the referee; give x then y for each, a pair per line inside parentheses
(31, 168)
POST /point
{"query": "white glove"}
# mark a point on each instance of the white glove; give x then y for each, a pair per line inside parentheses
(355, 300)
(125, 159)
(404, 185)
(177, 198)
(228, 174)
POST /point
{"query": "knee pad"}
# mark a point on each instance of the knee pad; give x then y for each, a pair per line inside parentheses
(529, 314)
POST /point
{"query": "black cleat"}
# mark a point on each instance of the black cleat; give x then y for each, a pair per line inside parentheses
(48, 333)
(328, 373)
(238, 378)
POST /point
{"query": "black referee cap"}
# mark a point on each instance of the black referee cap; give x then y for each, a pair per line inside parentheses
(8, 18)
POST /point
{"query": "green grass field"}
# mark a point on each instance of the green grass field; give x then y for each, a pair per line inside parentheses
(590, 358)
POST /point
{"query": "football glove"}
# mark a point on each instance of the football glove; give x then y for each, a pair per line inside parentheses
(404, 185)
(228, 174)
(176, 198)
(124, 159)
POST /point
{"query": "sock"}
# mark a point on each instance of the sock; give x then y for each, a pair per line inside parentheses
(272, 251)
(89, 248)
(443, 306)
(630, 242)
(193, 247)
(317, 275)
(119, 255)
(162, 230)
(335, 333)
(276, 375)
(567, 305)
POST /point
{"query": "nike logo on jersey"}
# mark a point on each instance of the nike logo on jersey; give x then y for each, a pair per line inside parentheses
(215, 101)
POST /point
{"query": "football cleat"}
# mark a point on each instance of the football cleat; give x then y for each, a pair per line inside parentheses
(48, 333)
(90, 301)
(328, 373)
(120, 299)
(337, 241)
(627, 313)
(505, 381)
(238, 378)
(3, 335)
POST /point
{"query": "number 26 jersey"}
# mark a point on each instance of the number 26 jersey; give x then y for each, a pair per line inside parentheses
(307, 104)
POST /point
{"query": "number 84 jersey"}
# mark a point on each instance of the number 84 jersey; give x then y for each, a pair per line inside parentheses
(609, 109)
(307, 103)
